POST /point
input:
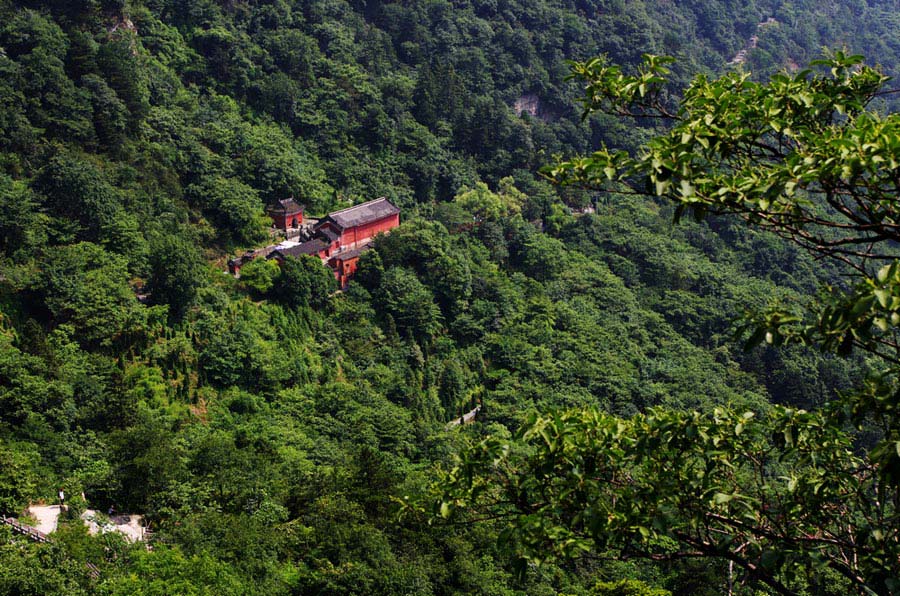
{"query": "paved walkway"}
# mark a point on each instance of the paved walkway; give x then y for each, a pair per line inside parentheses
(47, 517)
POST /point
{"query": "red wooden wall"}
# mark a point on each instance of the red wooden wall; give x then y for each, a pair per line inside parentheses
(366, 231)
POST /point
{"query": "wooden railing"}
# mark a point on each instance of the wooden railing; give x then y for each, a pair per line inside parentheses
(38, 536)
(24, 530)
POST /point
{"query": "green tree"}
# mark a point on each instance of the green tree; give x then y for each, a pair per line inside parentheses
(167, 570)
(40, 570)
(304, 281)
(486, 205)
(18, 477)
(176, 272)
(780, 494)
(260, 275)
(110, 114)
(22, 226)
(410, 304)
(233, 206)
(88, 286)
(79, 197)
(119, 59)
(54, 103)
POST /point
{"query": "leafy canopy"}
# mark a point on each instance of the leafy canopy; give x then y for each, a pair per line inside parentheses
(781, 494)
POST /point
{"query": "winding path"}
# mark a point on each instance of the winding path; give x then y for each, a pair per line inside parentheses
(741, 56)
(464, 419)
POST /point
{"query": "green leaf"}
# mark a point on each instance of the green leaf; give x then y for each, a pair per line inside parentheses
(792, 484)
(720, 498)
(861, 306)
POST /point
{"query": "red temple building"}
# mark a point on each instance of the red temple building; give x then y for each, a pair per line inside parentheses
(357, 225)
(286, 214)
(338, 239)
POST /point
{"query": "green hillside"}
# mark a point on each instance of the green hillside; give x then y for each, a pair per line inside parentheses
(269, 428)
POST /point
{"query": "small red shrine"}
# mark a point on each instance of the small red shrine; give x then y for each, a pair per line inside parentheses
(286, 214)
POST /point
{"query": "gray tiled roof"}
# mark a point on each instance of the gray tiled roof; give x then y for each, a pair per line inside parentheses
(363, 213)
(310, 247)
(286, 206)
(350, 254)
(329, 234)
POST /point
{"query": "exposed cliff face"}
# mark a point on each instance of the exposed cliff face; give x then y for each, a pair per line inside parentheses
(531, 104)
(122, 23)
(528, 104)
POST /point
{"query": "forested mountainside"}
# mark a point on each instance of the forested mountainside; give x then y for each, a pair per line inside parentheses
(267, 427)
